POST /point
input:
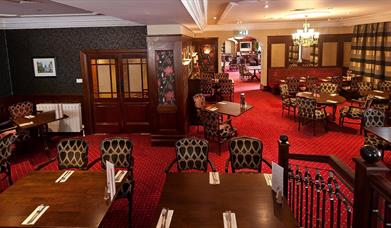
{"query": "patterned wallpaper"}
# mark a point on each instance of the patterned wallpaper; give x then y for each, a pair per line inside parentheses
(5, 83)
(165, 76)
(64, 44)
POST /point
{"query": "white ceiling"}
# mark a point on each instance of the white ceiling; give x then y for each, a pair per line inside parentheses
(221, 14)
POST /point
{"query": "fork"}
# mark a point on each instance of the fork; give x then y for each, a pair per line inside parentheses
(38, 212)
(164, 217)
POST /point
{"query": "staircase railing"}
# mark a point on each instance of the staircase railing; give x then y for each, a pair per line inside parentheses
(324, 192)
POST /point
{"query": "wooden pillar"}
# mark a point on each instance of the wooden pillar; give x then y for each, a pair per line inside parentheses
(283, 153)
(362, 201)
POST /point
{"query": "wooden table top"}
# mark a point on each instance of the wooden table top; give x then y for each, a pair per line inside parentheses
(382, 132)
(229, 108)
(378, 94)
(78, 202)
(196, 203)
(324, 98)
(38, 120)
(254, 67)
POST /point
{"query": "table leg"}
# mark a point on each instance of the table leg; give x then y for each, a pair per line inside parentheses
(334, 111)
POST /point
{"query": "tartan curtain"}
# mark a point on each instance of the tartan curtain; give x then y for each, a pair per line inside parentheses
(371, 51)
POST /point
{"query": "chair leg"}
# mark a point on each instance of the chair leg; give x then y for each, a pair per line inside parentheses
(219, 149)
(299, 124)
(130, 208)
(10, 182)
(294, 113)
(313, 127)
(325, 122)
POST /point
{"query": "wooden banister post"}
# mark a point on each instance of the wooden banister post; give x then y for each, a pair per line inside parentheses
(362, 207)
(283, 151)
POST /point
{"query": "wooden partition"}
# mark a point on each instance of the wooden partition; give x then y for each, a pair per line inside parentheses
(168, 88)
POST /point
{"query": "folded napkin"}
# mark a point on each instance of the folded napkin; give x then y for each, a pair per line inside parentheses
(214, 178)
(229, 219)
(331, 101)
(379, 97)
(222, 102)
(333, 94)
(29, 117)
(120, 175)
(212, 109)
(35, 215)
(165, 219)
(268, 178)
(378, 91)
(26, 124)
(64, 177)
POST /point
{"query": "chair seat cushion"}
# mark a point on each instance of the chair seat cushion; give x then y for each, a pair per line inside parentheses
(351, 112)
(320, 114)
(376, 142)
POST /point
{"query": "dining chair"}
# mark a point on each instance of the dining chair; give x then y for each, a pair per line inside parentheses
(338, 80)
(308, 110)
(244, 73)
(18, 110)
(118, 150)
(191, 154)
(288, 102)
(207, 76)
(220, 76)
(207, 87)
(354, 111)
(5, 154)
(363, 88)
(199, 103)
(72, 153)
(384, 86)
(226, 89)
(328, 87)
(311, 84)
(293, 85)
(215, 128)
(374, 118)
(245, 153)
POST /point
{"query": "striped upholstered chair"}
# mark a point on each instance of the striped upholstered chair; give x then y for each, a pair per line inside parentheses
(191, 154)
(245, 153)
(72, 153)
(118, 151)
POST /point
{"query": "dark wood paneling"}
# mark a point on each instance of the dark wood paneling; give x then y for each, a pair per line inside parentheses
(136, 116)
(212, 41)
(107, 117)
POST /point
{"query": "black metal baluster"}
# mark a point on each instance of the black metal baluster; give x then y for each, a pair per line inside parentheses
(318, 185)
(312, 202)
(348, 215)
(300, 182)
(297, 180)
(323, 202)
(339, 204)
(307, 178)
(387, 214)
(291, 188)
(333, 189)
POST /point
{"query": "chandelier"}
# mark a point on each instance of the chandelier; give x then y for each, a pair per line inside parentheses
(240, 34)
(305, 37)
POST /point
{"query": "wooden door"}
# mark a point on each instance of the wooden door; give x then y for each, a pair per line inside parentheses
(116, 91)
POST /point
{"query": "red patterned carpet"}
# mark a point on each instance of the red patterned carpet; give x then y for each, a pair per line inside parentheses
(264, 121)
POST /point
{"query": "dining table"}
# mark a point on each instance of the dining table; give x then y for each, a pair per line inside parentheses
(197, 203)
(229, 108)
(328, 99)
(382, 132)
(254, 69)
(378, 94)
(80, 201)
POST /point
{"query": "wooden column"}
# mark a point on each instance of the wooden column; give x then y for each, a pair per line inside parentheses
(362, 201)
(283, 153)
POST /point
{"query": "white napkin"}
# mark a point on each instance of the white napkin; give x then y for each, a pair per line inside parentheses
(213, 109)
(268, 178)
(120, 175)
(331, 101)
(233, 220)
(333, 94)
(27, 123)
(379, 97)
(29, 117)
(35, 215)
(222, 102)
(170, 213)
(214, 178)
(64, 177)
(378, 91)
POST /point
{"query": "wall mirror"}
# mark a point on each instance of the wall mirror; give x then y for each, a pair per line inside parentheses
(304, 56)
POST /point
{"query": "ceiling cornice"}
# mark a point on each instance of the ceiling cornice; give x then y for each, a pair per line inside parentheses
(169, 29)
(198, 10)
(374, 18)
(226, 11)
(63, 22)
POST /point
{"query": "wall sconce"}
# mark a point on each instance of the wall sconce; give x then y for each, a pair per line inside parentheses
(206, 50)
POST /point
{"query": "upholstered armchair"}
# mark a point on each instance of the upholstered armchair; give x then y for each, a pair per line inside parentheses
(328, 87)
(220, 76)
(293, 85)
(199, 103)
(245, 153)
(18, 110)
(308, 110)
(5, 154)
(288, 102)
(311, 84)
(207, 87)
(354, 111)
(226, 89)
(244, 73)
(215, 129)
(118, 151)
(338, 80)
(384, 86)
(363, 88)
(72, 153)
(374, 118)
(191, 154)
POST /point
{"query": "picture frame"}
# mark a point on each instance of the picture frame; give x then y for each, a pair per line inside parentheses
(44, 66)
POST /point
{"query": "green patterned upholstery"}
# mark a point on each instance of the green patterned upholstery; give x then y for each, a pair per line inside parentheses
(72, 153)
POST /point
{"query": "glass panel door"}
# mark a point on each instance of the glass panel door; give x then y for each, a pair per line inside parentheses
(135, 78)
(104, 78)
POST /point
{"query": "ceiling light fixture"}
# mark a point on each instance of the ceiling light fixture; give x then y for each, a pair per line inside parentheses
(306, 36)
(240, 34)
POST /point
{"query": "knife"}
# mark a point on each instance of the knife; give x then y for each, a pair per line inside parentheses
(164, 217)
(62, 176)
(38, 212)
(65, 177)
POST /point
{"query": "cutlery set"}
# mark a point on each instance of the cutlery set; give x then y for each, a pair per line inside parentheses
(64, 177)
(35, 215)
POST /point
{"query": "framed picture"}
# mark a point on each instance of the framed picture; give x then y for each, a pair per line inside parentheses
(44, 67)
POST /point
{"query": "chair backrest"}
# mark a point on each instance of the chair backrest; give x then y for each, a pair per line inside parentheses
(221, 76)
(72, 153)
(21, 109)
(337, 80)
(385, 86)
(311, 83)
(208, 76)
(192, 153)
(364, 86)
(118, 151)
(206, 86)
(284, 92)
(5, 151)
(293, 84)
(354, 82)
(211, 123)
(226, 86)
(199, 100)
(373, 118)
(306, 107)
(327, 87)
(245, 152)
